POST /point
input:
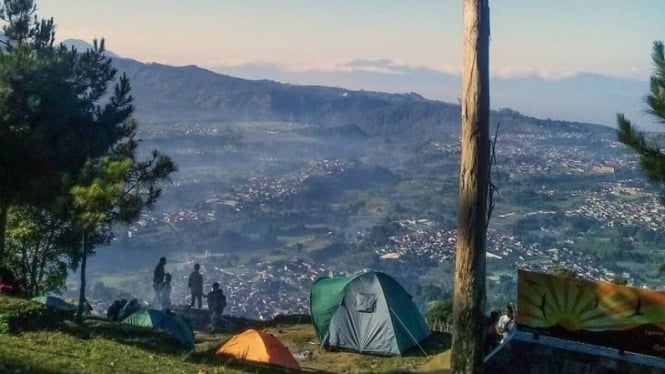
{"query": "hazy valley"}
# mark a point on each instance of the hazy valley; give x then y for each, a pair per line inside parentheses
(280, 184)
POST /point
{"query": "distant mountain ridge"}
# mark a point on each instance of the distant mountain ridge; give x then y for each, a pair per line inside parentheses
(585, 97)
(190, 94)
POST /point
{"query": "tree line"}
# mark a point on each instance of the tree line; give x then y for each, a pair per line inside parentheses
(69, 169)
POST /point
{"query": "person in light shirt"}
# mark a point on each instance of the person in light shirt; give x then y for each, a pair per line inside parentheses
(506, 322)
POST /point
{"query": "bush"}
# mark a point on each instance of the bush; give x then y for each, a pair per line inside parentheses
(18, 315)
(440, 311)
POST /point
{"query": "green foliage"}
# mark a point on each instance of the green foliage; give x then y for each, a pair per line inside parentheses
(36, 249)
(18, 315)
(68, 146)
(651, 155)
(52, 116)
(440, 311)
(36, 339)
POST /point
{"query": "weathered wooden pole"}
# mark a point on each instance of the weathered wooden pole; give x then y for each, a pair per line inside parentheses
(469, 292)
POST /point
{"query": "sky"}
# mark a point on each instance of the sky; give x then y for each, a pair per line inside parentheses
(547, 38)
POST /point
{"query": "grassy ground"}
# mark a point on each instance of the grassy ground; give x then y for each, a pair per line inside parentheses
(436, 355)
(35, 339)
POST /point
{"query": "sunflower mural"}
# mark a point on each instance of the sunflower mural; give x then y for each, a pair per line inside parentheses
(578, 304)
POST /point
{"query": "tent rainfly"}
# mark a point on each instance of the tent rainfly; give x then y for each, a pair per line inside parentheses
(56, 303)
(369, 313)
(173, 324)
(258, 346)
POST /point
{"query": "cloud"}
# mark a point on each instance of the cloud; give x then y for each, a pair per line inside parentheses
(396, 67)
(521, 71)
(378, 66)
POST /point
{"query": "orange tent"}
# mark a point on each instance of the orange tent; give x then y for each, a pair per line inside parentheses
(258, 346)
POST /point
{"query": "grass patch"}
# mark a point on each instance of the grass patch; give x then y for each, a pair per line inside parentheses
(37, 339)
(299, 337)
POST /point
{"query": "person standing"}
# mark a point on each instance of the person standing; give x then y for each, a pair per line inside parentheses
(166, 292)
(195, 284)
(216, 304)
(158, 280)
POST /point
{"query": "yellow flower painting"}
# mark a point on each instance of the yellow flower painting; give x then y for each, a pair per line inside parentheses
(546, 301)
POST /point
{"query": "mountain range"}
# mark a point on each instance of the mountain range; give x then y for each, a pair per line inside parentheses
(190, 94)
(585, 97)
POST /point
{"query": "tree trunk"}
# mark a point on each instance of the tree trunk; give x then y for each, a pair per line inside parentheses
(4, 207)
(84, 258)
(469, 291)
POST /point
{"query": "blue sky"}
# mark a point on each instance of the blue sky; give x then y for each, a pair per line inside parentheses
(549, 38)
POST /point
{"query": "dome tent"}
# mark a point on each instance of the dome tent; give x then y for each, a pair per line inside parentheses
(258, 346)
(171, 323)
(370, 313)
(56, 302)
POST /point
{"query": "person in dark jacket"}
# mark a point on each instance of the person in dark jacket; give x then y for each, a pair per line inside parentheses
(113, 311)
(492, 337)
(216, 304)
(195, 284)
(129, 309)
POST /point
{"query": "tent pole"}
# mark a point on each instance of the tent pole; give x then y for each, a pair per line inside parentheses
(407, 331)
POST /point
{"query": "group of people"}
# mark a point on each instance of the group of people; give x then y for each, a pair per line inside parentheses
(161, 283)
(216, 298)
(498, 328)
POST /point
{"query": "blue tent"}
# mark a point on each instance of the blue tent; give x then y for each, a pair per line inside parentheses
(171, 323)
(370, 312)
(56, 303)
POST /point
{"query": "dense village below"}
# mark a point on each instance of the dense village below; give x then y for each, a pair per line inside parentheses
(268, 231)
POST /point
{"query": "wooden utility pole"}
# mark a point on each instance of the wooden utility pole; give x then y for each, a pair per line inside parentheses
(469, 295)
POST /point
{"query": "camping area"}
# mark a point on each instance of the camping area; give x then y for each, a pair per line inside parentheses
(40, 339)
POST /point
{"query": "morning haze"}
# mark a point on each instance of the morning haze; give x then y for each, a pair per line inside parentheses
(322, 139)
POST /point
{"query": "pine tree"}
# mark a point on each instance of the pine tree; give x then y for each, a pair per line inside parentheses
(59, 127)
(69, 146)
(651, 154)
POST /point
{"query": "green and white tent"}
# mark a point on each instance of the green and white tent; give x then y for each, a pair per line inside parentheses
(173, 324)
(369, 313)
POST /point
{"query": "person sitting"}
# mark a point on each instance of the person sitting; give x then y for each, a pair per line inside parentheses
(9, 284)
(506, 322)
(492, 337)
(7, 288)
(113, 311)
(131, 307)
(216, 304)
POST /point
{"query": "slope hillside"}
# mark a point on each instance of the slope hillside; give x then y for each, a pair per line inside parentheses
(190, 94)
(37, 339)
